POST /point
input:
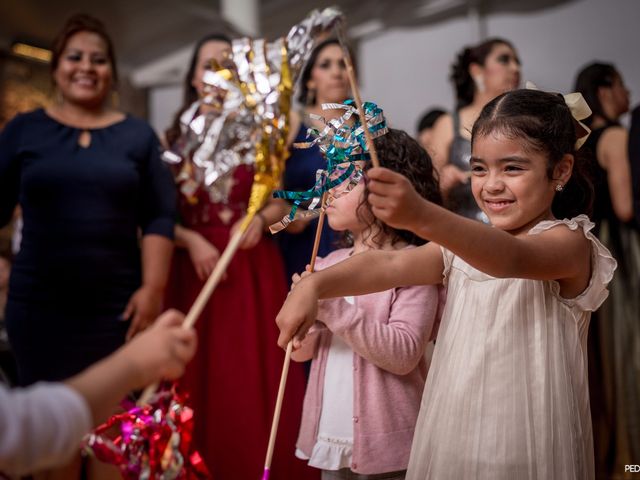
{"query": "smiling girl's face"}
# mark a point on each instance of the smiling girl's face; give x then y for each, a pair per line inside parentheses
(510, 182)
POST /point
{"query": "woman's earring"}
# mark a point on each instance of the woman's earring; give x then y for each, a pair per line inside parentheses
(479, 81)
(559, 187)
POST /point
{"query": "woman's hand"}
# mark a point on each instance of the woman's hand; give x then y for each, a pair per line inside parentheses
(204, 256)
(394, 200)
(253, 234)
(143, 307)
(300, 225)
(298, 313)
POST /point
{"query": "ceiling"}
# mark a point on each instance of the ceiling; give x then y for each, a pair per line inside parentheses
(153, 38)
(142, 30)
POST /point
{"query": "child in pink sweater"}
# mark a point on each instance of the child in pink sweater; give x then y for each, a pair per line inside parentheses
(369, 368)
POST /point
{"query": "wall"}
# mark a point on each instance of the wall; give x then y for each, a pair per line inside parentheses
(406, 70)
(164, 102)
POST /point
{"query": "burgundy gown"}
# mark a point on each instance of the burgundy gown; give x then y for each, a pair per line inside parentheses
(233, 379)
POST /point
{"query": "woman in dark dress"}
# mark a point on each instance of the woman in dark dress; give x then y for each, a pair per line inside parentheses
(614, 335)
(324, 80)
(480, 73)
(89, 179)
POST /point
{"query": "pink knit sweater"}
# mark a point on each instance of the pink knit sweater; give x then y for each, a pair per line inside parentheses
(388, 332)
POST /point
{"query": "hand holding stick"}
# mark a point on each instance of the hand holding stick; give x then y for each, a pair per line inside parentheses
(287, 357)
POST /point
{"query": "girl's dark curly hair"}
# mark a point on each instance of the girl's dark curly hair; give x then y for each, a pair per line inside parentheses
(460, 76)
(545, 123)
(399, 152)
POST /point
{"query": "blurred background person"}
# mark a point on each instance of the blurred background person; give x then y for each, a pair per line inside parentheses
(323, 80)
(479, 74)
(425, 128)
(614, 336)
(88, 179)
(233, 380)
(634, 158)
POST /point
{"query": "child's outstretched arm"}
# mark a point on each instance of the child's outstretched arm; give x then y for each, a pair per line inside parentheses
(160, 352)
(556, 254)
(40, 427)
(368, 272)
(396, 345)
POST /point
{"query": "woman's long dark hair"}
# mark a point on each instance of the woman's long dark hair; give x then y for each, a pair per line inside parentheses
(190, 94)
(589, 80)
(545, 123)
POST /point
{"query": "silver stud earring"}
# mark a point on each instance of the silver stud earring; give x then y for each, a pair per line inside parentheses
(559, 187)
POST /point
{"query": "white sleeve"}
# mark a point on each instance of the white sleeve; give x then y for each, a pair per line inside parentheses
(40, 426)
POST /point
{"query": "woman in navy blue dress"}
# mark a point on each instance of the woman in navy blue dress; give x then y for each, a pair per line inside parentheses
(324, 80)
(90, 182)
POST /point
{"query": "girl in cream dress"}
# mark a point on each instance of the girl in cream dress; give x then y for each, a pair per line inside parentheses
(507, 396)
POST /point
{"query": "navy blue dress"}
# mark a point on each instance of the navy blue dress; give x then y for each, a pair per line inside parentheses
(79, 261)
(299, 175)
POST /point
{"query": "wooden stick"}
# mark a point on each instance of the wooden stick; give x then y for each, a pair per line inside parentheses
(278, 409)
(316, 241)
(214, 279)
(204, 295)
(351, 73)
(287, 357)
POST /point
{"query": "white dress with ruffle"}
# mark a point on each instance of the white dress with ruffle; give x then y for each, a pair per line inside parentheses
(507, 394)
(334, 446)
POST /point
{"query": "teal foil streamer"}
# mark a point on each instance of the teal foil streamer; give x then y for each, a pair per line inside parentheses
(342, 143)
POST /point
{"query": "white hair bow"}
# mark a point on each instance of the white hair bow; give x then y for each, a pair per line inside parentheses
(579, 110)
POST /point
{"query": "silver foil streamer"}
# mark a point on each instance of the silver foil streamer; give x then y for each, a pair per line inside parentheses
(244, 103)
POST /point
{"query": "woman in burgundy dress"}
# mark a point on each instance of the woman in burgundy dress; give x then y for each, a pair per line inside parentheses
(233, 380)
